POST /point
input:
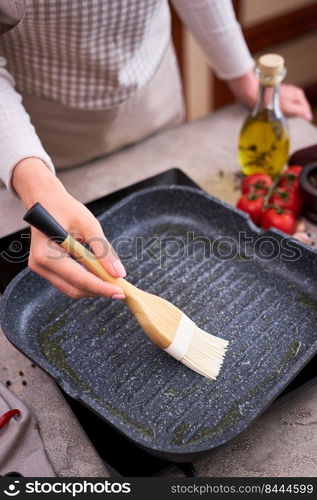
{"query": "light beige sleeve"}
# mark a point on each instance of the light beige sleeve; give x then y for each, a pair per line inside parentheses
(215, 27)
(18, 137)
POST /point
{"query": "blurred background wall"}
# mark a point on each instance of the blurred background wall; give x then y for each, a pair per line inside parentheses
(288, 27)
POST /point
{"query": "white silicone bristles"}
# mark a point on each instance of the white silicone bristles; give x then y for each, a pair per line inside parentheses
(182, 338)
(205, 353)
(197, 349)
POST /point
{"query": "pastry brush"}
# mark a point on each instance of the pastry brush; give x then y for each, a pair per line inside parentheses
(165, 324)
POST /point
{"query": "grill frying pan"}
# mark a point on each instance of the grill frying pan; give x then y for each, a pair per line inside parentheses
(98, 354)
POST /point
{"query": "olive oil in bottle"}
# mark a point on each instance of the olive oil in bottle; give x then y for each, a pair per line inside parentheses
(264, 139)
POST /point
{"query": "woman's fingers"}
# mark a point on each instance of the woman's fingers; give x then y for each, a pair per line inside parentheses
(93, 234)
(293, 99)
(294, 102)
(306, 108)
(51, 261)
(295, 108)
(63, 285)
(75, 274)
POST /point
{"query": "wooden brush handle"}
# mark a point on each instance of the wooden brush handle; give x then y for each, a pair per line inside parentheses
(40, 218)
(152, 322)
(90, 261)
(157, 317)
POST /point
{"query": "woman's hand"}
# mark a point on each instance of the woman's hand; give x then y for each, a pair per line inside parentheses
(33, 182)
(293, 100)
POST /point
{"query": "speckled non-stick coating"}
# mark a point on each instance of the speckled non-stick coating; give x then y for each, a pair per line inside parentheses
(99, 355)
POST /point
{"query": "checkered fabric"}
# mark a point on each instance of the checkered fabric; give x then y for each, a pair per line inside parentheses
(87, 54)
(94, 55)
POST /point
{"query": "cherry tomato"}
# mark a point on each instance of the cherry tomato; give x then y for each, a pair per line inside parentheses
(282, 219)
(295, 169)
(289, 178)
(256, 183)
(291, 199)
(252, 205)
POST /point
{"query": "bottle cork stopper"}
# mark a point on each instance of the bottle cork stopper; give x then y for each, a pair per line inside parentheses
(271, 64)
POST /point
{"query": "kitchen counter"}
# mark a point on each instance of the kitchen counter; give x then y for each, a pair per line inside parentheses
(284, 440)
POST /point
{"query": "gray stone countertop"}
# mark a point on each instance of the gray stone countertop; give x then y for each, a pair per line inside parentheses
(284, 440)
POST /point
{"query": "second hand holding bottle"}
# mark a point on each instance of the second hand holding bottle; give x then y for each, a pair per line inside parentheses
(264, 138)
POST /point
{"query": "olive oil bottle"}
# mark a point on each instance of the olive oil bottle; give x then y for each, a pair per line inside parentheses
(264, 139)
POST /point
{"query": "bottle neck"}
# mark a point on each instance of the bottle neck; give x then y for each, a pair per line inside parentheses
(268, 99)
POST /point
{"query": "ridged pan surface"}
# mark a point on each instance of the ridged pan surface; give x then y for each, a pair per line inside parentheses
(178, 243)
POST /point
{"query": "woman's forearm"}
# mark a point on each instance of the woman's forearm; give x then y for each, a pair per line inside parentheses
(215, 27)
(33, 181)
(19, 139)
(292, 98)
(245, 88)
